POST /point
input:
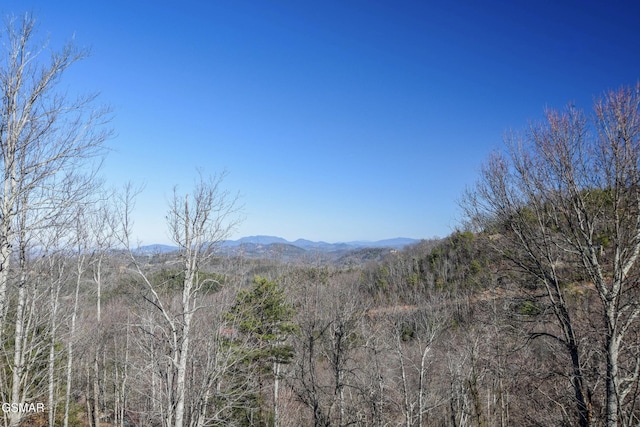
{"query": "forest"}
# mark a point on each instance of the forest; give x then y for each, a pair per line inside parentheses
(527, 315)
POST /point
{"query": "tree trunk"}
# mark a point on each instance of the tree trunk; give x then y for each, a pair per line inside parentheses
(276, 385)
(123, 385)
(405, 388)
(181, 376)
(5, 257)
(72, 332)
(96, 389)
(613, 348)
(187, 307)
(97, 278)
(54, 303)
(421, 387)
(18, 356)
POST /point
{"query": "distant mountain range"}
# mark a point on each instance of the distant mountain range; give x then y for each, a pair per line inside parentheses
(270, 245)
(396, 243)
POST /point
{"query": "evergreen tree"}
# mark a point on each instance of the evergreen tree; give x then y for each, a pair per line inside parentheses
(263, 317)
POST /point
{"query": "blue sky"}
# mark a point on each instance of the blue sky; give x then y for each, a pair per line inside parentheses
(336, 120)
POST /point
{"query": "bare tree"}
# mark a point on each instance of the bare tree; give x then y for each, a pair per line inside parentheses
(102, 229)
(414, 330)
(47, 141)
(56, 272)
(564, 206)
(313, 326)
(81, 250)
(45, 137)
(326, 375)
(197, 224)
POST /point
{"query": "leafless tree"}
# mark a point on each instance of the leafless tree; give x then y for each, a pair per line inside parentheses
(305, 378)
(197, 223)
(45, 137)
(414, 330)
(47, 141)
(564, 206)
(327, 368)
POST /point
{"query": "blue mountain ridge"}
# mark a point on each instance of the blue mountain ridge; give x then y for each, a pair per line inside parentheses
(309, 245)
(397, 243)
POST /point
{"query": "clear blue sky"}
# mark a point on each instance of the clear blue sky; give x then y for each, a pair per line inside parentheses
(337, 120)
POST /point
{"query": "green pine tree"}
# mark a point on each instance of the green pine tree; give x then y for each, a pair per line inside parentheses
(263, 317)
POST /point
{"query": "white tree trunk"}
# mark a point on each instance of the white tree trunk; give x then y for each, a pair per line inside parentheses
(72, 333)
(18, 356)
(54, 302)
(405, 387)
(612, 380)
(276, 389)
(421, 387)
(182, 372)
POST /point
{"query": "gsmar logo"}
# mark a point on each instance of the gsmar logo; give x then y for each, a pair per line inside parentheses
(28, 408)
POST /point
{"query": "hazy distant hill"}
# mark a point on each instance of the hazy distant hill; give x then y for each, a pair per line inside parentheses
(258, 240)
(277, 247)
(396, 243)
(155, 249)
